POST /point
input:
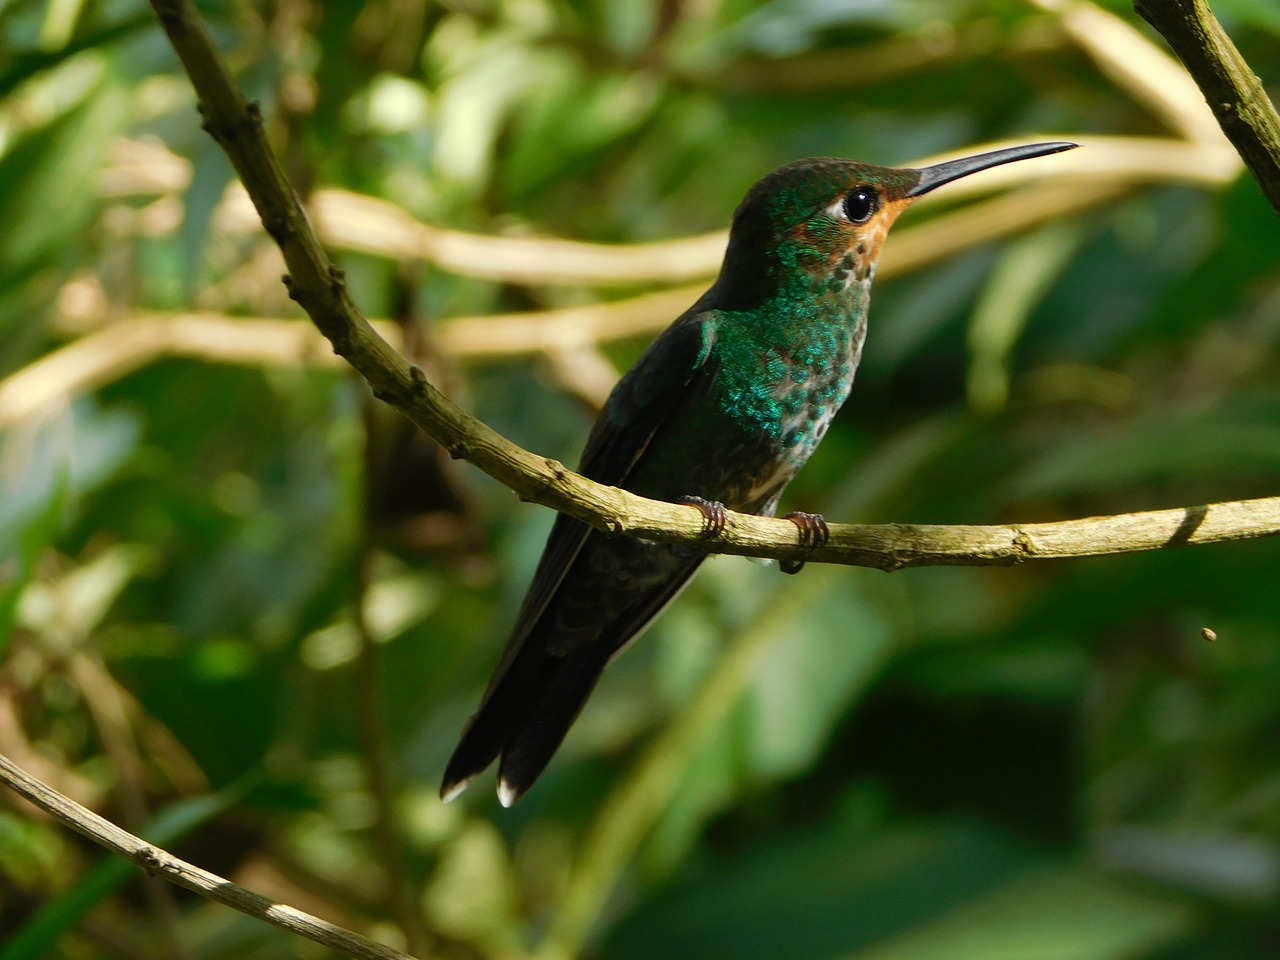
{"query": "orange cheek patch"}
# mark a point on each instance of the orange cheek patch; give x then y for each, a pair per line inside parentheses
(867, 241)
(875, 232)
(820, 244)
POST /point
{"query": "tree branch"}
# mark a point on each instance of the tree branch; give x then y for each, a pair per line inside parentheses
(320, 288)
(158, 862)
(1232, 90)
(346, 220)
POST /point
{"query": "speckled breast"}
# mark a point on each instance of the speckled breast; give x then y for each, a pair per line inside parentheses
(761, 418)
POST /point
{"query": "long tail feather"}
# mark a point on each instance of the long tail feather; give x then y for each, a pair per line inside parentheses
(537, 694)
(500, 716)
(529, 751)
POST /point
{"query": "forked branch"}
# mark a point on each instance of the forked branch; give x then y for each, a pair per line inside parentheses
(319, 287)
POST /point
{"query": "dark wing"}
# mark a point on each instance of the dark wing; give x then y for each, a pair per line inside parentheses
(532, 683)
(644, 399)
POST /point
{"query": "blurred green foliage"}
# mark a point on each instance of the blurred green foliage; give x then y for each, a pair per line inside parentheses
(1041, 763)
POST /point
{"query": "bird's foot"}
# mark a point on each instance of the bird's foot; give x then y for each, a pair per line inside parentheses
(714, 515)
(813, 533)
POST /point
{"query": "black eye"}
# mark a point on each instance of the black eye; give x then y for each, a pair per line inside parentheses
(860, 203)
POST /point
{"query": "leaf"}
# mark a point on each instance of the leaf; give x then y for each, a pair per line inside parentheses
(16, 568)
(1018, 282)
(807, 679)
(819, 893)
(49, 177)
(946, 890)
(1063, 914)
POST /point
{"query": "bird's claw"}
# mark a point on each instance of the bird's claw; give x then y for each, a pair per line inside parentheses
(813, 533)
(714, 515)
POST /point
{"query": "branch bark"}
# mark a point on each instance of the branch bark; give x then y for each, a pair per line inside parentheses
(1232, 90)
(158, 862)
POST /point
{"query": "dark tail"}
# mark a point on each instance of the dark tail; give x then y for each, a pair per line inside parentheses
(536, 693)
(525, 718)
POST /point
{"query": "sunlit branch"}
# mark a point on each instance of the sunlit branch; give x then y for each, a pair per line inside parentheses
(357, 222)
(319, 287)
(1230, 87)
(157, 862)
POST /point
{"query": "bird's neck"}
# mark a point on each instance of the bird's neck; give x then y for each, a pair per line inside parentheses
(790, 353)
(789, 294)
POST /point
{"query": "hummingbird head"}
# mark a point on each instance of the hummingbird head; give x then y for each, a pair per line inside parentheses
(825, 219)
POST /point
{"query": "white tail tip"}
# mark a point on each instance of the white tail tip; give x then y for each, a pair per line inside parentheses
(454, 790)
(507, 794)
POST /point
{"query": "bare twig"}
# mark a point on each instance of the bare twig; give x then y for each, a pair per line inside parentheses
(157, 862)
(353, 221)
(375, 226)
(1232, 90)
(110, 713)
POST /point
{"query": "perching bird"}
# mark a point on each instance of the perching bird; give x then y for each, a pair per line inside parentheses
(721, 411)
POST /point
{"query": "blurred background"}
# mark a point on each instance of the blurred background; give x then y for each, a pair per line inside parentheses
(245, 610)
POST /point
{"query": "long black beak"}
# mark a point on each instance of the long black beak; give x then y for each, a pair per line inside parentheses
(940, 173)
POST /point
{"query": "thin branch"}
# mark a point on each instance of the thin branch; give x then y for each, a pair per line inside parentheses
(214, 336)
(369, 225)
(320, 288)
(109, 712)
(119, 348)
(1137, 66)
(1232, 90)
(351, 221)
(161, 863)
(889, 547)
(112, 350)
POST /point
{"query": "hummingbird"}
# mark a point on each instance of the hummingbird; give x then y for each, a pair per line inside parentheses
(720, 412)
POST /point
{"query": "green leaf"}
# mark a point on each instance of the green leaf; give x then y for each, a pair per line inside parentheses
(1063, 914)
(819, 893)
(50, 180)
(809, 676)
(34, 538)
(1018, 282)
